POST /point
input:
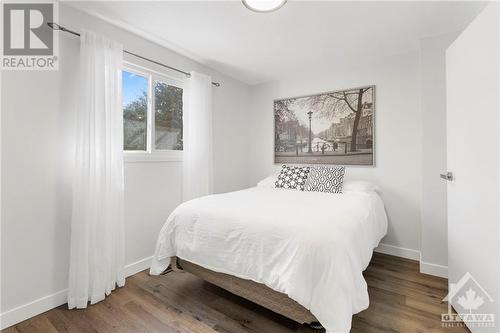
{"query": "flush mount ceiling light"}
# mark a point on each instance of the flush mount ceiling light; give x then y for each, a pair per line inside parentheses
(263, 6)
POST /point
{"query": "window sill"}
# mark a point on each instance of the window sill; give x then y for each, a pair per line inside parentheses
(140, 157)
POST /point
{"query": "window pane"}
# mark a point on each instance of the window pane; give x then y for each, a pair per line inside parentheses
(168, 116)
(135, 111)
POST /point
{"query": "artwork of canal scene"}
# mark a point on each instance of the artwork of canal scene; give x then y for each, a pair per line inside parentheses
(329, 128)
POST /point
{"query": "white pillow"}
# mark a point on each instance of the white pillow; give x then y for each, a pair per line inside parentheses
(268, 182)
(359, 186)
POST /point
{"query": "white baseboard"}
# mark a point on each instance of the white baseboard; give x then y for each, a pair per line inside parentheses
(398, 251)
(425, 267)
(31, 309)
(138, 266)
(433, 269)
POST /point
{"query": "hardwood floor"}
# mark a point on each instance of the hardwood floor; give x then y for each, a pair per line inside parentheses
(401, 300)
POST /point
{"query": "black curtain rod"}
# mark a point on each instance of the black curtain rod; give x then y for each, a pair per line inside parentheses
(56, 26)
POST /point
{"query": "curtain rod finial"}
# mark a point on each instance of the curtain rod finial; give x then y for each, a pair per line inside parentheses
(54, 25)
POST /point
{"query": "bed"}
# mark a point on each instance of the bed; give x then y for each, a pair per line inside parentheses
(298, 253)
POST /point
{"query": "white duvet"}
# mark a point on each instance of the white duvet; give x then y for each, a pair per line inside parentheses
(311, 246)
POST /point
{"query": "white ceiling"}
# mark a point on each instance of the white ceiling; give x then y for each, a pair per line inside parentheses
(303, 36)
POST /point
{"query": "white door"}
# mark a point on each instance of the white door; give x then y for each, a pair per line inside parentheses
(472, 66)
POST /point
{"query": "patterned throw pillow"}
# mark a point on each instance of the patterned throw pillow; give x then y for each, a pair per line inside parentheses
(292, 177)
(326, 179)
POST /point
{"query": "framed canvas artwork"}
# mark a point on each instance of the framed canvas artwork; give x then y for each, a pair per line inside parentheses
(329, 128)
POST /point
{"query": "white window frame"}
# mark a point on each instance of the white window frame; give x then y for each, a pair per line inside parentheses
(151, 154)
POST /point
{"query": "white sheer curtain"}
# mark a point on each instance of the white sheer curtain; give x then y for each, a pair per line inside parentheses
(197, 137)
(97, 231)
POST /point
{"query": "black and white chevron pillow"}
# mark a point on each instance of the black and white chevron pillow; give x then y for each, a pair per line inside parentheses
(326, 179)
(292, 177)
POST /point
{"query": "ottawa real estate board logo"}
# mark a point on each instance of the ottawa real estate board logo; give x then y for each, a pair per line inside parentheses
(28, 43)
(471, 303)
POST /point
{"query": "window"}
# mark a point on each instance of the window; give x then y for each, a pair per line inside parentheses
(152, 115)
(135, 111)
(168, 116)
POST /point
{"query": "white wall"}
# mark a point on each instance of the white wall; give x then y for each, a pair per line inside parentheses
(34, 231)
(37, 135)
(398, 133)
(434, 244)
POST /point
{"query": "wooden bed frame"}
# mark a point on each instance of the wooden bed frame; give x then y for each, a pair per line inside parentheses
(253, 291)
